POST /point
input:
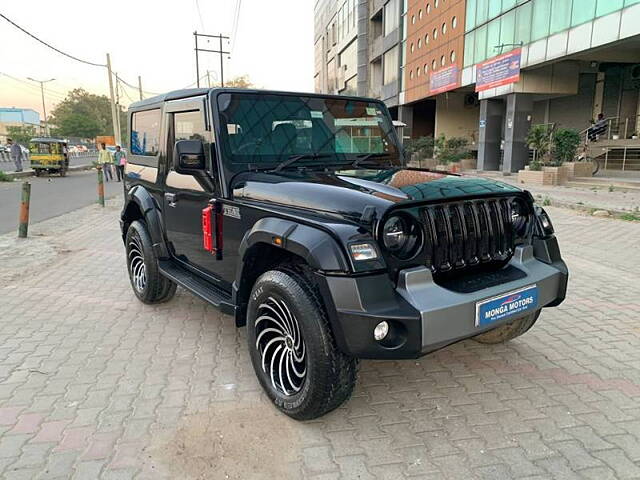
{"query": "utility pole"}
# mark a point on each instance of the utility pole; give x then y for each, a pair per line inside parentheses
(114, 112)
(195, 36)
(140, 86)
(220, 52)
(118, 108)
(44, 107)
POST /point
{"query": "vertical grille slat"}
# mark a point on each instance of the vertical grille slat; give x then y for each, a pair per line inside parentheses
(465, 234)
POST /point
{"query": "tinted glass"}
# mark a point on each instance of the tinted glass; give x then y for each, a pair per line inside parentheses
(145, 132)
(607, 6)
(583, 11)
(541, 18)
(560, 15)
(272, 128)
(189, 126)
(523, 23)
(507, 29)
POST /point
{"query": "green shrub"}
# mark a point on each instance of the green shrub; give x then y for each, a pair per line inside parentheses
(4, 177)
(450, 150)
(565, 145)
(422, 147)
(539, 139)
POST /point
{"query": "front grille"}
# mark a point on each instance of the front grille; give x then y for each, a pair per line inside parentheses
(466, 234)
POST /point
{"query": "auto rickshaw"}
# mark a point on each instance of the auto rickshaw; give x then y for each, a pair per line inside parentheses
(49, 154)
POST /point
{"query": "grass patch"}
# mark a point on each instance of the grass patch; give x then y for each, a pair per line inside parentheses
(546, 202)
(5, 178)
(630, 217)
(611, 189)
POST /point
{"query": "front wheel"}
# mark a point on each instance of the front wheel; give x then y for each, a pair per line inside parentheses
(149, 285)
(292, 349)
(508, 331)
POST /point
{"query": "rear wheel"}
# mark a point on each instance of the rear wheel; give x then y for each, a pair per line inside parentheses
(37, 172)
(508, 331)
(148, 284)
(292, 349)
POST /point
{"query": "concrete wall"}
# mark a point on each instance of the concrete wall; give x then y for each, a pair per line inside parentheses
(454, 118)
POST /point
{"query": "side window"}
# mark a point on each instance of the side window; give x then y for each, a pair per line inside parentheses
(145, 133)
(189, 126)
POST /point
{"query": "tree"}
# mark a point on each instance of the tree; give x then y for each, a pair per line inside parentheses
(21, 134)
(83, 114)
(539, 139)
(238, 82)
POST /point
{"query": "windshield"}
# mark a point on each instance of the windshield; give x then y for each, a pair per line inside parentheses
(272, 128)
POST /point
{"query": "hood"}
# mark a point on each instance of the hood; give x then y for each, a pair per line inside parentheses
(348, 192)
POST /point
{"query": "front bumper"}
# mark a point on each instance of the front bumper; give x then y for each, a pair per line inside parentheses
(426, 316)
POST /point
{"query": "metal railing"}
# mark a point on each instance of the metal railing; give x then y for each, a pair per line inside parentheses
(623, 158)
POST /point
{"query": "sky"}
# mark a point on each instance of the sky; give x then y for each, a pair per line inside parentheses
(273, 45)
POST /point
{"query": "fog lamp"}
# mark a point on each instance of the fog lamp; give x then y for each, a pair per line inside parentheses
(381, 331)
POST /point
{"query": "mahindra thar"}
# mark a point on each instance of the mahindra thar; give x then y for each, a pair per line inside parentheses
(297, 215)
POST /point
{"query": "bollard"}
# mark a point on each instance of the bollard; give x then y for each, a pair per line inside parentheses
(100, 185)
(23, 228)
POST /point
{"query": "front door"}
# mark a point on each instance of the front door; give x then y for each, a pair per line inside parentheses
(187, 195)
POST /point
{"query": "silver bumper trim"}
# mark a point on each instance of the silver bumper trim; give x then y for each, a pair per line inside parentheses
(448, 316)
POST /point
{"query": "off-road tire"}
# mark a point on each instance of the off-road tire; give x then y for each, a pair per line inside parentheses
(330, 374)
(508, 331)
(139, 248)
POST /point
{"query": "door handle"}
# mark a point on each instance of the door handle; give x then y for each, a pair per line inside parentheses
(171, 199)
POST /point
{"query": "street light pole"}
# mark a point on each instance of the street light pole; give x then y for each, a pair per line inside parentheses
(44, 107)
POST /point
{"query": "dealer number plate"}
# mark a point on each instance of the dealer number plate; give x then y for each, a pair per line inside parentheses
(506, 305)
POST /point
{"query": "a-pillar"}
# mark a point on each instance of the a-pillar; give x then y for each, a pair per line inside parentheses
(490, 128)
(516, 127)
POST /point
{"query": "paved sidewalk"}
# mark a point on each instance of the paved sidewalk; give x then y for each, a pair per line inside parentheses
(617, 196)
(94, 384)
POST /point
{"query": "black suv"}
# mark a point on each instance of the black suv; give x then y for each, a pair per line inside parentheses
(296, 214)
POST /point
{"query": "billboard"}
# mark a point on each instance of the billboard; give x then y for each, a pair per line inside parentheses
(497, 71)
(443, 80)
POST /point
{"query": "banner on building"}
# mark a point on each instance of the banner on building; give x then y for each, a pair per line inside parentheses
(444, 80)
(497, 71)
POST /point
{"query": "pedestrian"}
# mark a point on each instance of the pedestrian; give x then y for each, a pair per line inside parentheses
(104, 158)
(120, 160)
(598, 129)
(15, 151)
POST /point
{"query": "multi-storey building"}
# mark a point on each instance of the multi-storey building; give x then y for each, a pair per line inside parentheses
(489, 69)
(18, 117)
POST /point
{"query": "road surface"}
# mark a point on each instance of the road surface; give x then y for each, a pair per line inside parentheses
(7, 165)
(51, 196)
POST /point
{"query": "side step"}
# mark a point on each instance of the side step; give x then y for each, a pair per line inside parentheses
(197, 286)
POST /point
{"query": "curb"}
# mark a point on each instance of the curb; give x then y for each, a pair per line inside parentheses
(30, 173)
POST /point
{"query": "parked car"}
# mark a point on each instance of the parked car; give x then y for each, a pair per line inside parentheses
(295, 214)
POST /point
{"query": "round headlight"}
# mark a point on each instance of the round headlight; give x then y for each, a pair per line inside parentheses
(519, 215)
(401, 236)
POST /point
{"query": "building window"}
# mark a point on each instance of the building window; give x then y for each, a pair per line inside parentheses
(413, 19)
(418, 71)
(454, 22)
(428, 8)
(419, 43)
(435, 33)
(420, 14)
(411, 74)
(435, 4)
(412, 48)
(390, 66)
(391, 16)
(426, 39)
(442, 61)
(426, 68)
(444, 28)
(452, 56)
(433, 64)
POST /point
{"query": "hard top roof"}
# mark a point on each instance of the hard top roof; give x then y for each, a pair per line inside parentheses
(191, 92)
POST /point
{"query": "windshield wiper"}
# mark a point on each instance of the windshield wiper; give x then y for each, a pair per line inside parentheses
(294, 158)
(366, 156)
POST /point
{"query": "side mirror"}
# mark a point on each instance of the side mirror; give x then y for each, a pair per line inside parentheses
(188, 156)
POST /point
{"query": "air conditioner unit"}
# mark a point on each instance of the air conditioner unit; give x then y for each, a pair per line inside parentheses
(471, 100)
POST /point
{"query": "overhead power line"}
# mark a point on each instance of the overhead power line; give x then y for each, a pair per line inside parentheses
(50, 92)
(236, 20)
(134, 87)
(51, 46)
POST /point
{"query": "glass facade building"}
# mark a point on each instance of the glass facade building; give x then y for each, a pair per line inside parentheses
(496, 26)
